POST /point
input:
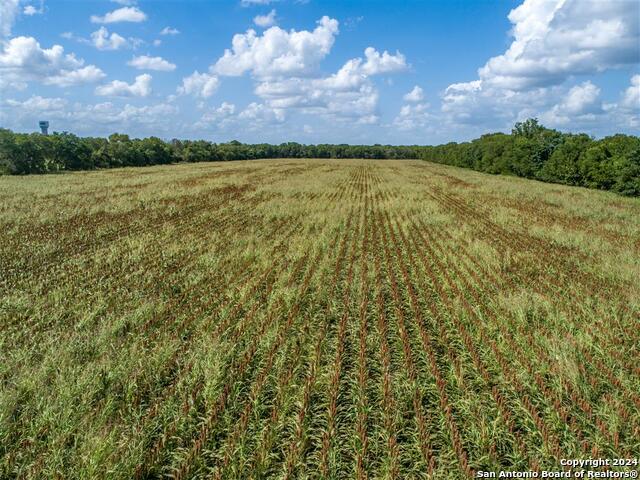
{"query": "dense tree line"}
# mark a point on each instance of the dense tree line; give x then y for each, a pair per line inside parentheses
(531, 151)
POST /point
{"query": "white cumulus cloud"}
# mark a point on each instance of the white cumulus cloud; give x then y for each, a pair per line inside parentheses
(553, 40)
(199, 85)
(377, 63)
(258, 113)
(631, 97)
(278, 52)
(23, 60)
(124, 14)
(70, 78)
(141, 87)
(348, 94)
(413, 116)
(265, 21)
(559, 38)
(580, 103)
(286, 68)
(102, 40)
(415, 95)
(144, 62)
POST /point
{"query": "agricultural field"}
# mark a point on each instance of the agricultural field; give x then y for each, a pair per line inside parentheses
(314, 319)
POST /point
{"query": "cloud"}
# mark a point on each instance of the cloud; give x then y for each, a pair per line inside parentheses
(219, 117)
(556, 39)
(413, 116)
(352, 22)
(27, 113)
(319, 96)
(348, 94)
(286, 64)
(90, 119)
(627, 112)
(30, 10)
(225, 109)
(415, 95)
(124, 14)
(580, 103)
(383, 63)
(199, 85)
(631, 96)
(249, 3)
(278, 52)
(141, 87)
(66, 78)
(37, 104)
(552, 42)
(582, 99)
(146, 119)
(145, 62)
(8, 12)
(102, 40)
(265, 21)
(22, 60)
(169, 31)
(258, 113)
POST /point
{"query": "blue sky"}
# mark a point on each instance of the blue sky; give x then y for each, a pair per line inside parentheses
(410, 72)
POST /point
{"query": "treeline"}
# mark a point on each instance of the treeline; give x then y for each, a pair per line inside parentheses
(531, 151)
(22, 154)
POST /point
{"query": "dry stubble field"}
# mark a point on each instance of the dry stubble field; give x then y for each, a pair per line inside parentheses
(313, 319)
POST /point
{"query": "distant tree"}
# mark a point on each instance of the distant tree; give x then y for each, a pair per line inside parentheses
(564, 164)
(530, 128)
(28, 155)
(7, 151)
(627, 179)
(155, 151)
(67, 151)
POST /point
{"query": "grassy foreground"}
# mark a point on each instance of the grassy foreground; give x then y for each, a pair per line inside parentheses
(313, 319)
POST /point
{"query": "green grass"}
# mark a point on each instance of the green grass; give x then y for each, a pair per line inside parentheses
(313, 319)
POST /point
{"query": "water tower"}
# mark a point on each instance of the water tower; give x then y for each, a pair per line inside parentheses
(44, 127)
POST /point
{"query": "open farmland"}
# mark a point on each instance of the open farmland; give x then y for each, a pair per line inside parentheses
(313, 319)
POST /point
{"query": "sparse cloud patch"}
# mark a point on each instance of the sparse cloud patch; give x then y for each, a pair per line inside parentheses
(124, 14)
(249, 3)
(9, 10)
(169, 31)
(102, 40)
(145, 62)
(141, 87)
(265, 21)
(30, 10)
(415, 95)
